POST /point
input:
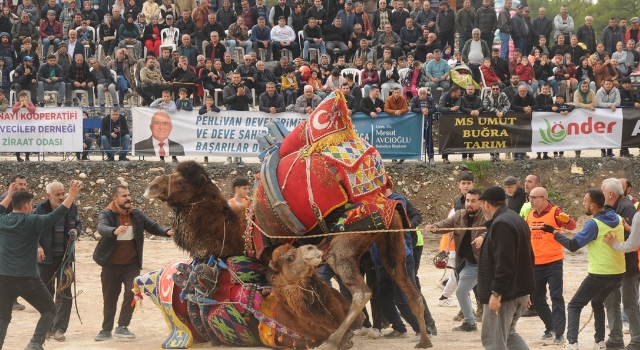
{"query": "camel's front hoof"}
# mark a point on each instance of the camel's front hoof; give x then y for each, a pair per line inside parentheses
(424, 343)
(327, 346)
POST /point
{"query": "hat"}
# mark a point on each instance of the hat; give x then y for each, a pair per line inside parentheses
(510, 180)
(444, 3)
(62, 43)
(493, 193)
(96, 2)
(558, 52)
(169, 17)
(634, 19)
(625, 80)
(348, 2)
(27, 58)
(519, 6)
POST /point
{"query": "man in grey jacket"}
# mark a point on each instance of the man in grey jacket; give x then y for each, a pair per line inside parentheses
(389, 39)
(270, 101)
(308, 102)
(504, 24)
(445, 23)
(104, 82)
(563, 24)
(486, 21)
(519, 30)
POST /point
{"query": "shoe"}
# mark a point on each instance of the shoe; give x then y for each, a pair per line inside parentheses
(446, 161)
(123, 158)
(625, 328)
(611, 345)
(110, 159)
(603, 154)
(471, 158)
(239, 161)
(59, 335)
(396, 334)
(228, 161)
(16, 305)
(508, 156)
(206, 160)
(465, 327)
(34, 346)
(610, 155)
(530, 313)
(559, 339)
(401, 161)
(103, 335)
(174, 159)
(578, 153)
(496, 158)
(539, 156)
(573, 346)
(123, 332)
(560, 156)
(548, 335)
(446, 303)
(85, 159)
(393, 161)
(362, 331)
(374, 333)
(48, 335)
(432, 162)
(459, 317)
(545, 156)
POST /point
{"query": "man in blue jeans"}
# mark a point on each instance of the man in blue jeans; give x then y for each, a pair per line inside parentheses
(19, 235)
(115, 131)
(425, 105)
(504, 24)
(467, 243)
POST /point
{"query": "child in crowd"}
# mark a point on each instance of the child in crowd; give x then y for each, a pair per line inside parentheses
(183, 103)
(316, 84)
(411, 80)
(23, 102)
(561, 107)
(4, 103)
(489, 73)
(27, 51)
(165, 102)
(241, 188)
(290, 85)
(209, 106)
(402, 63)
(369, 77)
(525, 73)
(545, 103)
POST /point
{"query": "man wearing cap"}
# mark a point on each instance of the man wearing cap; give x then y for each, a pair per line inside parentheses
(606, 266)
(549, 258)
(22, 29)
(516, 196)
(505, 272)
(348, 17)
(633, 33)
(25, 77)
(446, 22)
(504, 24)
(467, 244)
(51, 78)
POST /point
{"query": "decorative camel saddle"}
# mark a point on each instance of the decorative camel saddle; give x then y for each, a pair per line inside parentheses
(321, 177)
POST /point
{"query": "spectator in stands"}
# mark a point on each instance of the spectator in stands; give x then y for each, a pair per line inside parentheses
(86, 38)
(24, 29)
(471, 105)
(214, 26)
(7, 20)
(465, 18)
(23, 102)
(489, 74)
(519, 30)
(351, 100)
(633, 33)
(30, 9)
(150, 8)
(486, 21)
(80, 78)
(208, 107)
(364, 52)
(211, 78)
(264, 77)
(608, 95)
(271, 101)
(426, 45)
(500, 65)
(474, 51)
(249, 14)
(426, 19)
(296, 20)
(308, 102)
(621, 55)
(166, 63)
(248, 73)
(261, 37)
(512, 88)
(525, 103)
(396, 105)
(51, 5)
(347, 16)
(104, 82)
(128, 34)
(215, 50)
(607, 69)
(226, 15)
(280, 9)
(74, 47)
(87, 14)
(183, 103)
(425, 105)
(290, 86)
(369, 77)
(191, 52)
(437, 73)
(25, 78)
(409, 35)
(565, 75)
(229, 65)
(398, 16)
(51, 78)
(389, 78)
(107, 35)
(236, 95)
(450, 102)
(318, 12)
(313, 38)
(357, 36)
(526, 75)
(151, 36)
(504, 24)
(76, 21)
(336, 38)
(563, 24)
(412, 79)
(445, 22)
(239, 34)
(544, 73)
(115, 131)
(496, 102)
(585, 97)
(587, 35)
(391, 40)
(63, 58)
(28, 51)
(627, 96)
(372, 104)
(131, 7)
(284, 37)
(186, 25)
(122, 65)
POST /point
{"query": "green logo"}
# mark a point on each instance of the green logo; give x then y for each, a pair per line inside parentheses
(552, 134)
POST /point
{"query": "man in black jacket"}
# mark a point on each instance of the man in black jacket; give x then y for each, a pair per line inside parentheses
(236, 95)
(25, 77)
(471, 104)
(450, 102)
(51, 254)
(119, 252)
(505, 272)
(80, 78)
(628, 293)
(516, 197)
(115, 131)
(445, 22)
(336, 38)
(372, 104)
(525, 103)
(500, 65)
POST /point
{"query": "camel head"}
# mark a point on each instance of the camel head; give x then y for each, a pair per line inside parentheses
(295, 264)
(184, 186)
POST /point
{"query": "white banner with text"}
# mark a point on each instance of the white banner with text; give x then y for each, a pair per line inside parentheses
(51, 129)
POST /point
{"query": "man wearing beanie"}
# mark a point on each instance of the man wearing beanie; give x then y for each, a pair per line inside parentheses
(505, 272)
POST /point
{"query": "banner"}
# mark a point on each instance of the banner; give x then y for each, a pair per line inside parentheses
(579, 130)
(630, 127)
(50, 129)
(233, 133)
(462, 133)
(394, 137)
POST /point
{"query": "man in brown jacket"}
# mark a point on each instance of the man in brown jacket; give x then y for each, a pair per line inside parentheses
(467, 243)
(396, 105)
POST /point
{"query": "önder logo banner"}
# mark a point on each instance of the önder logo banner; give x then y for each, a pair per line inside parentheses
(540, 132)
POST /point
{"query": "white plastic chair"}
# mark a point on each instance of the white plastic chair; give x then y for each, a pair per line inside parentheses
(165, 33)
(485, 89)
(87, 48)
(356, 74)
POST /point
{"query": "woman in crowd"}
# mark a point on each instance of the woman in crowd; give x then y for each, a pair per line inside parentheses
(128, 34)
(108, 36)
(368, 78)
(566, 76)
(152, 38)
(585, 72)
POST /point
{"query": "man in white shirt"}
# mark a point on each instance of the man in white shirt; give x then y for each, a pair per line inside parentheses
(159, 144)
(283, 37)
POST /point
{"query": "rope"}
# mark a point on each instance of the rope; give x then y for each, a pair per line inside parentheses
(375, 231)
(586, 323)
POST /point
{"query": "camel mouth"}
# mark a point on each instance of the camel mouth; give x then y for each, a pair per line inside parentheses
(315, 261)
(146, 194)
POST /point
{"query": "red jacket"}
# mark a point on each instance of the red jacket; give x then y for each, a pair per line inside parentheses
(489, 75)
(627, 36)
(57, 29)
(365, 74)
(525, 73)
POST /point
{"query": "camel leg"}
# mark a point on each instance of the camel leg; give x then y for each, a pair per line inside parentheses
(343, 257)
(392, 252)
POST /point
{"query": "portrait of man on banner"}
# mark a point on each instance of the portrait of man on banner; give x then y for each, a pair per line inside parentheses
(159, 144)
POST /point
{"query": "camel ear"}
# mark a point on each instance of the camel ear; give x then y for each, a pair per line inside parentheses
(275, 265)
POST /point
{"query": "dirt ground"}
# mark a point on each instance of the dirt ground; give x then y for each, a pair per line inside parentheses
(150, 328)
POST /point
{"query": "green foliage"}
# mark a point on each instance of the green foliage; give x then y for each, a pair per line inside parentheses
(478, 169)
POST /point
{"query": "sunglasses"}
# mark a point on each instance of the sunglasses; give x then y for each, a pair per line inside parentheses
(495, 89)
